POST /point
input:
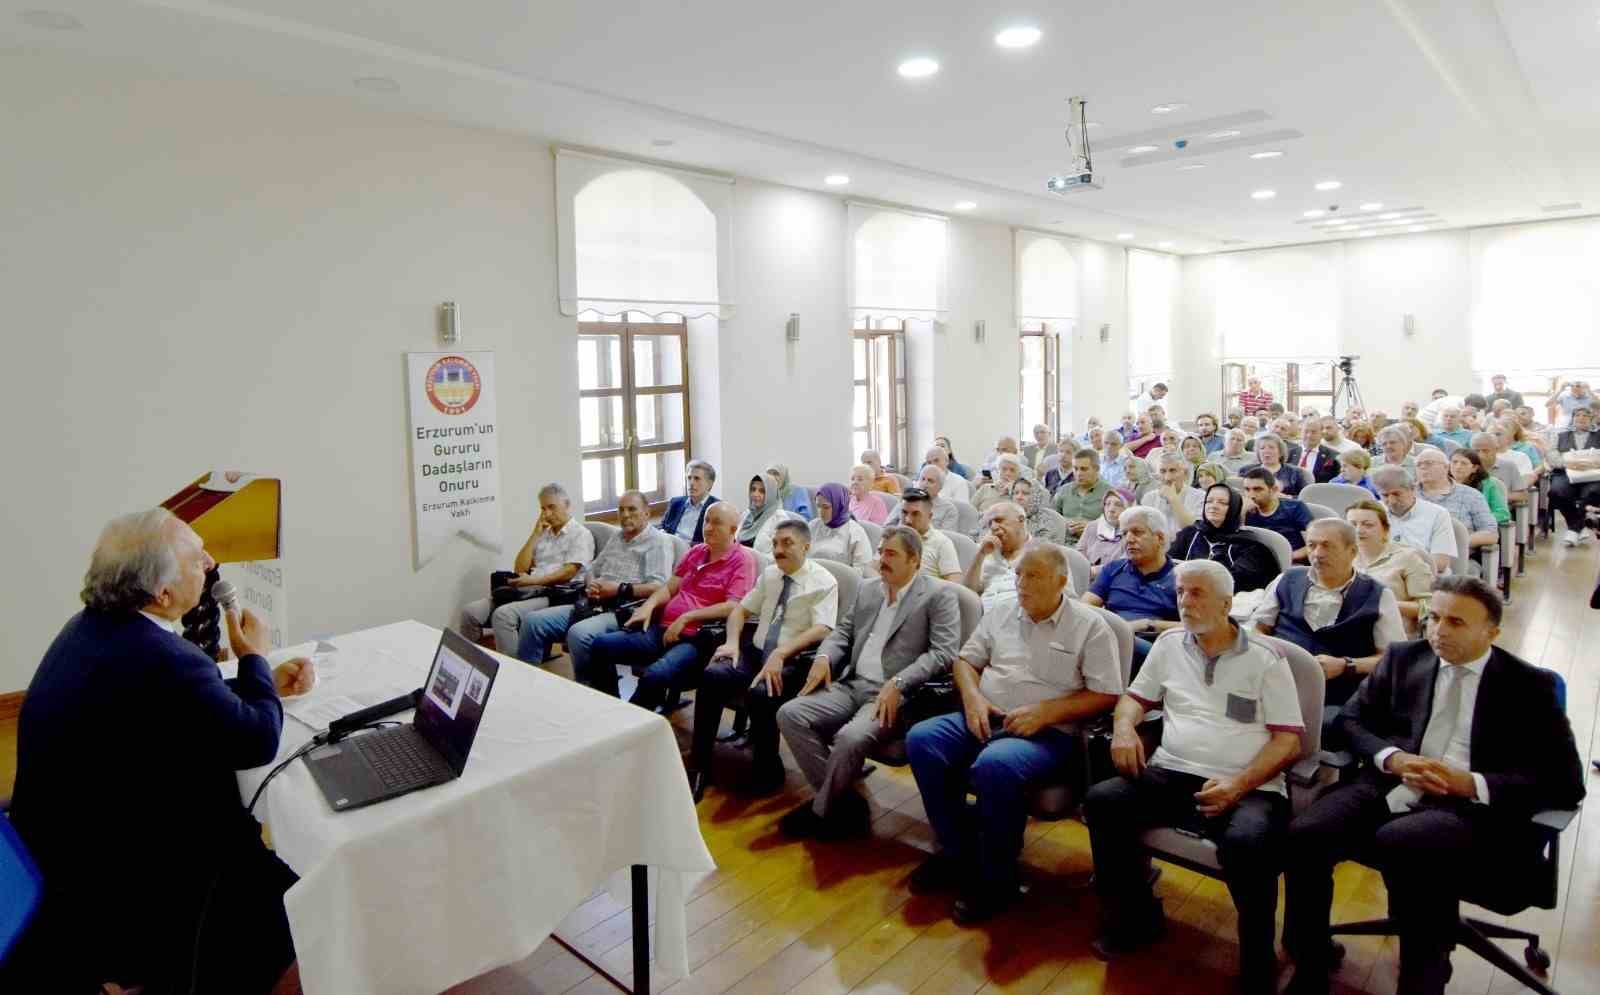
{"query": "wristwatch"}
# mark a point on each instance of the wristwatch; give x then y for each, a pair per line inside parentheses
(1349, 663)
(899, 682)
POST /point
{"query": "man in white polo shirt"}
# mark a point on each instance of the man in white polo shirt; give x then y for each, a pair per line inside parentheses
(1232, 725)
(1414, 522)
(1038, 664)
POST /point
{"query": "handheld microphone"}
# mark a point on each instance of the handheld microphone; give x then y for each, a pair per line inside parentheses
(225, 595)
(345, 725)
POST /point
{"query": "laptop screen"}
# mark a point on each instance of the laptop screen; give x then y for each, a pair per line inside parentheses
(454, 696)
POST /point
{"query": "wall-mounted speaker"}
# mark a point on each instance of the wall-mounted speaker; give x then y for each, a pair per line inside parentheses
(1105, 332)
(1409, 323)
(980, 331)
(791, 328)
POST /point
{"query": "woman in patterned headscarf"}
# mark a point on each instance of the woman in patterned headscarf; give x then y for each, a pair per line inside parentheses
(784, 494)
(1042, 522)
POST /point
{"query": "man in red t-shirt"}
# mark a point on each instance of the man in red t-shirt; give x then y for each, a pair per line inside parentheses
(1254, 399)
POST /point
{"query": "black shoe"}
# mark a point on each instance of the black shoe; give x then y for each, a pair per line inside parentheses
(1126, 937)
(937, 873)
(1260, 979)
(848, 817)
(1309, 979)
(981, 903)
(800, 823)
(762, 781)
(698, 780)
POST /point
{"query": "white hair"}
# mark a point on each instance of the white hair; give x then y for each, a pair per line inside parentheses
(934, 467)
(1169, 458)
(1397, 432)
(1004, 508)
(1215, 574)
(1010, 459)
(1152, 520)
(132, 561)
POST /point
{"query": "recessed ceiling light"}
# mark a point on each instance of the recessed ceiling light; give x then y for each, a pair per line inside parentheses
(1224, 134)
(1124, 236)
(1272, 154)
(1164, 245)
(966, 205)
(1141, 149)
(662, 143)
(1372, 205)
(1314, 213)
(1329, 185)
(1167, 108)
(377, 84)
(1193, 165)
(918, 68)
(50, 20)
(836, 180)
(1418, 228)
(1264, 194)
(1366, 234)
(1020, 36)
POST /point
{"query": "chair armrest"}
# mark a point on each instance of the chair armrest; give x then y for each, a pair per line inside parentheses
(1555, 819)
(1337, 759)
(1304, 772)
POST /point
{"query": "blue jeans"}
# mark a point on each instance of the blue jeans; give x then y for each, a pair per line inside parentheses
(666, 667)
(550, 625)
(944, 754)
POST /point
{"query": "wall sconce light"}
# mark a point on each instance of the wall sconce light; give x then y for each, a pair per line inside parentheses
(980, 331)
(1409, 324)
(1105, 332)
(449, 329)
(791, 328)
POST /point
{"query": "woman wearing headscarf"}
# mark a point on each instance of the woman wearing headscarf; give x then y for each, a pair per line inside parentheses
(837, 536)
(1194, 452)
(1216, 535)
(865, 505)
(762, 519)
(1102, 538)
(784, 494)
(1042, 521)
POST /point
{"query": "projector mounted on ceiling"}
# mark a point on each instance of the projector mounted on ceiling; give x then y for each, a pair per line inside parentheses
(1080, 176)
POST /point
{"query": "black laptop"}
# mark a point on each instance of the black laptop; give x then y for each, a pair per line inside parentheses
(432, 749)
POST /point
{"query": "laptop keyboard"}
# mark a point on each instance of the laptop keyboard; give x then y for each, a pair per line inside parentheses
(401, 757)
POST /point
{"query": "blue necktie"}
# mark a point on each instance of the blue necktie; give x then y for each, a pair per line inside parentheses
(775, 627)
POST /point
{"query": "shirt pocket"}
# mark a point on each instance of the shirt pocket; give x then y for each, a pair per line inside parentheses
(1243, 708)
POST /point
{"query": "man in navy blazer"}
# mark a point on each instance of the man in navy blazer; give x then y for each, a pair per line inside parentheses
(686, 516)
(1463, 744)
(128, 743)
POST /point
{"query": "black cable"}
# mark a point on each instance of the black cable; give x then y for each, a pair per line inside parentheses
(318, 740)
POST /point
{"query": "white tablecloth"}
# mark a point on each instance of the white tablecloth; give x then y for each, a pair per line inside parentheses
(565, 787)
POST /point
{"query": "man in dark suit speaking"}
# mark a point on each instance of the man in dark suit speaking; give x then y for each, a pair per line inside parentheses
(1463, 744)
(154, 873)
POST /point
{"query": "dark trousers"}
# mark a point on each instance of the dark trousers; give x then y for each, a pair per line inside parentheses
(1569, 498)
(722, 684)
(1423, 856)
(666, 667)
(1249, 841)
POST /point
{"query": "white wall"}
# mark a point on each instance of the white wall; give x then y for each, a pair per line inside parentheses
(1099, 369)
(977, 386)
(201, 276)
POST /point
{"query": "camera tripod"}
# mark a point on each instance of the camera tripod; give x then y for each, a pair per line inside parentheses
(1348, 395)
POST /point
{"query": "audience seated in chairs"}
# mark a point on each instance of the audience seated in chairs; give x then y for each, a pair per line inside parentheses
(1035, 452)
(686, 515)
(943, 511)
(1273, 457)
(1115, 462)
(1574, 457)
(1041, 521)
(1402, 569)
(1282, 515)
(1139, 587)
(1216, 535)
(1232, 725)
(1413, 522)
(1079, 501)
(1463, 743)
(1101, 541)
(1194, 455)
(1146, 437)
(1564, 400)
(954, 486)
(955, 465)
(1394, 445)
(1448, 433)
(865, 504)
(835, 535)
(992, 574)
(1493, 446)
(1353, 467)
(1465, 504)
(882, 480)
(797, 603)
(1207, 431)
(903, 631)
(1319, 458)
(1172, 497)
(1037, 666)
(1343, 618)
(1007, 471)
(1234, 456)
(762, 519)
(556, 552)
(631, 566)
(784, 494)
(938, 556)
(705, 587)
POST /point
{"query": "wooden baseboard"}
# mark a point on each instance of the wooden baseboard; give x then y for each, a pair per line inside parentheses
(10, 705)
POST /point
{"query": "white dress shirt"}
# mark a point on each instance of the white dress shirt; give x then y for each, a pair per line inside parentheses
(176, 628)
(1459, 752)
(870, 665)
(813, 600)
(1426, 527)
(956, 488)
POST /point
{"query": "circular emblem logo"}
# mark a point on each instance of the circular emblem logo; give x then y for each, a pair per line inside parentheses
(453, 385)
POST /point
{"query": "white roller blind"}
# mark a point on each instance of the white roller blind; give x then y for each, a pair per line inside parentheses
(639, 237)
(1279, 303)
(1152, 300)
(897, 262)
(1536, 296)
(1047, 278)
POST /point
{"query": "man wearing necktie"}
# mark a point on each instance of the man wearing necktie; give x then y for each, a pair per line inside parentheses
(1463, 743)
(797, 603)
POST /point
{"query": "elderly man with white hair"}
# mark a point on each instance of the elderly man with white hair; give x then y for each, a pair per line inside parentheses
(931, 481)
(1008, 469)
(992, 575)
(1037, 666)
(1174, 497)
(1035, 452)
(557, 552)
(1414, 522)
(1232, 726)
(1139, 586)
(955, 486)
(126, 720)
